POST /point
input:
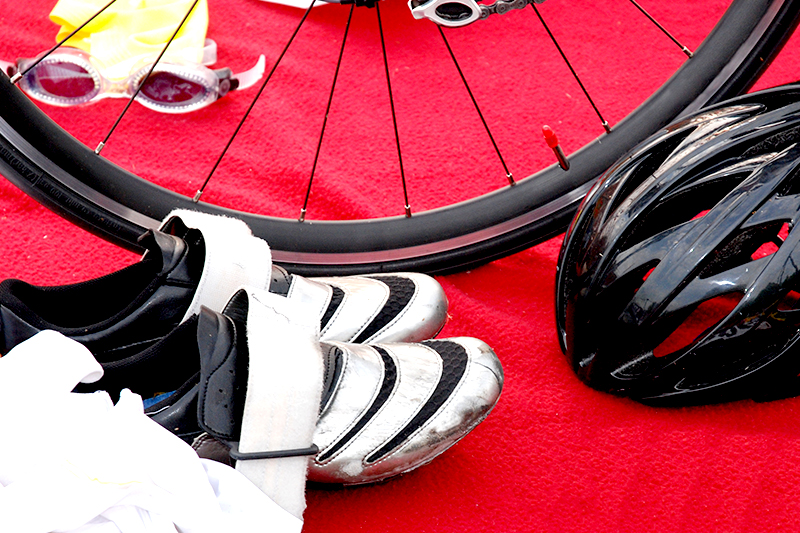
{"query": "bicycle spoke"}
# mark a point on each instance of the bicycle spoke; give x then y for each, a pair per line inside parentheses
(575, 74)
(685, 50)
(327, 112)
(202, 188)
(475, 103)
(394, 117)
(149, 73)
(18, 76)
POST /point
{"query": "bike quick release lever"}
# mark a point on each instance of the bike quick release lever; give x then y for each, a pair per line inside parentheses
(457, 13)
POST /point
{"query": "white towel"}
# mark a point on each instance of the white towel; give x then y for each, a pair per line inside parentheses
(77, 463)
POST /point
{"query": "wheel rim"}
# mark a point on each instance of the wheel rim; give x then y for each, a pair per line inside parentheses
(397, 241)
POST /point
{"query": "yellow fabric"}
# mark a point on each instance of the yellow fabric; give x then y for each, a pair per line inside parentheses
(132, 32)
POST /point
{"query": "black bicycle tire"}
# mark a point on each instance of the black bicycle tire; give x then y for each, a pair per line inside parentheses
(64, 175)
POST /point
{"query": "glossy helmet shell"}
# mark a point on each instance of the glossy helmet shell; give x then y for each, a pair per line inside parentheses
(679, 278)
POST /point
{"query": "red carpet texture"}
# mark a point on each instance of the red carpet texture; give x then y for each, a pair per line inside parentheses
(554, 455)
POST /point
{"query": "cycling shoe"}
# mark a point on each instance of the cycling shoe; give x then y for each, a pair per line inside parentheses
(394, 407)
(404, 307)
(184, 268)
(384, 409)
(398, 307)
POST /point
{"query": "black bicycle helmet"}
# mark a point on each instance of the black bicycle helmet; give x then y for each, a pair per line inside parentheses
(679, 279)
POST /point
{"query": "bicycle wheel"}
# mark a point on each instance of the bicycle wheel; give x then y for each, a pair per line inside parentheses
(62, 173)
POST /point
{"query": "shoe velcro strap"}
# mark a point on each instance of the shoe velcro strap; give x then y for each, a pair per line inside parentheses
(284, 387)
(314, 296)
(234, 257)
(349, 321)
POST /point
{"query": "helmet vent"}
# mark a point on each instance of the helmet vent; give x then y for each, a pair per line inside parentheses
(774, 143)
(645, 168)
(705, 316)
(790, 301)
(772, 246)
(748, 245)
(768, 248)
(689, 203)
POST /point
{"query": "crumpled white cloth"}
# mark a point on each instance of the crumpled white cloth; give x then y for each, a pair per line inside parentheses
(78, 463)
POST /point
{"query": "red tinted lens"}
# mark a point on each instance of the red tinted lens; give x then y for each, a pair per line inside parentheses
(168, 88)
(66, 80)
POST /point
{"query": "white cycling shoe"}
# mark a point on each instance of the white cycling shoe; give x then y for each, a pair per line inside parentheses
(401, 307)
(380, 409)
(391, 408)
(397, 307)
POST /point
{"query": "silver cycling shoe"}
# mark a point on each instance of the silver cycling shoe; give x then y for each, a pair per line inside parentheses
(398, 307)
(390, 408)
(372, 411)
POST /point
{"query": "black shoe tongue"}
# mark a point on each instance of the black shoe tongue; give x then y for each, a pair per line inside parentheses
(237, 308)
(223, 375)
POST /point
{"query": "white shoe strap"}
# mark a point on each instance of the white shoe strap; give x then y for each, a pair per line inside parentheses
(315, 296)
(284, 389)
(234, 257)
(350, 320)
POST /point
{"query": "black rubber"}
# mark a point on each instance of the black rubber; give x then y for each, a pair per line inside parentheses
(51, 166)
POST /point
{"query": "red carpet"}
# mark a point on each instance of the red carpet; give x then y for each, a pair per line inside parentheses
(554, 455)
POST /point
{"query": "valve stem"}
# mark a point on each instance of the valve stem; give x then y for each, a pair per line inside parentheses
(552, 141)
